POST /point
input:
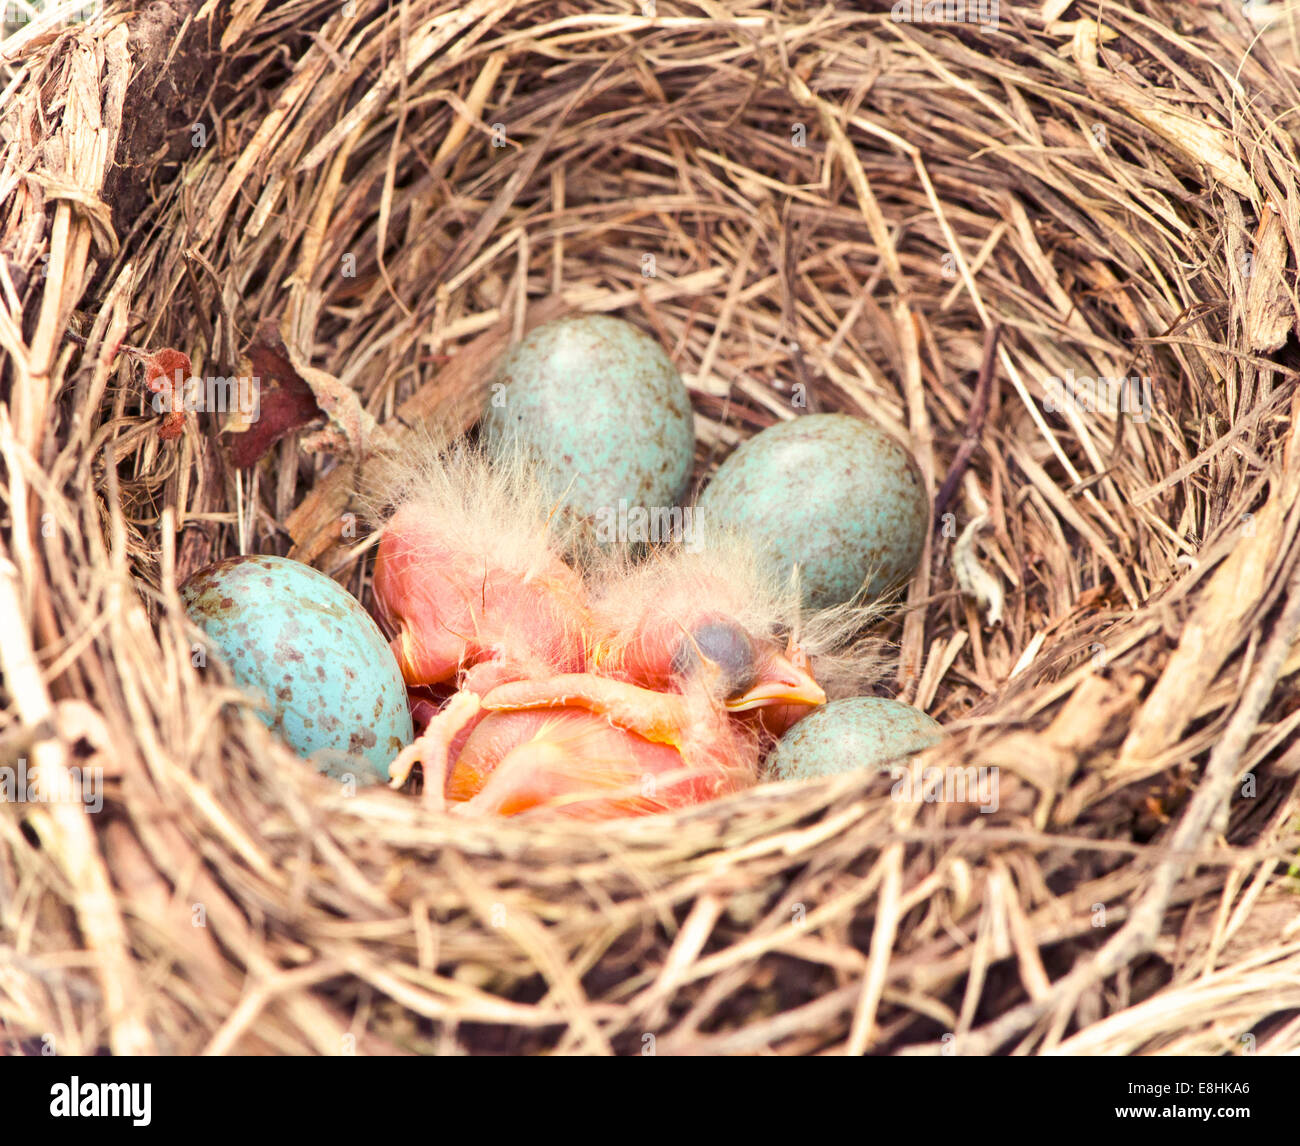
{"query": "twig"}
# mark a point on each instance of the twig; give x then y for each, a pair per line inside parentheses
(82, 340)
(975, 424)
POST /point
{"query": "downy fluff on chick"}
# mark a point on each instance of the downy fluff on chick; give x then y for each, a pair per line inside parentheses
(470, 574)
(634, 686)
(711, 612)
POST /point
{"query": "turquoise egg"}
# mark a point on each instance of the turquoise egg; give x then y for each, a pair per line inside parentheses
(832, 493)
(845, 735)
(301, 641)
(599, 407)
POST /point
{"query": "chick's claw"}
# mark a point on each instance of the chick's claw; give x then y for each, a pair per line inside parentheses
(432, 749)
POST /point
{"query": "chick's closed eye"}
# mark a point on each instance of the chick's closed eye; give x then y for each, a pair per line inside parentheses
(721, 649)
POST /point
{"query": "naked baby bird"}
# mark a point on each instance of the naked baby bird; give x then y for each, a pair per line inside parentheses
(634, 688)
(471, 581)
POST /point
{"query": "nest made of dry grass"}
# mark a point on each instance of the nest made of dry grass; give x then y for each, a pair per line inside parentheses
(802, 203)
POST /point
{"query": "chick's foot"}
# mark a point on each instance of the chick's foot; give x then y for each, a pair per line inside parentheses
(432, 749)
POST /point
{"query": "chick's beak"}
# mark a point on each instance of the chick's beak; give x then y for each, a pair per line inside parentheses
(780, 681)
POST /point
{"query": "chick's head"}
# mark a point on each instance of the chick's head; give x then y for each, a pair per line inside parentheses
(706, 619)
(470, 568)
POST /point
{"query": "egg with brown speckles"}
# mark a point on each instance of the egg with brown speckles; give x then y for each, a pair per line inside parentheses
(856, 732)
(835, 495)
(598, 406)
(300, 640)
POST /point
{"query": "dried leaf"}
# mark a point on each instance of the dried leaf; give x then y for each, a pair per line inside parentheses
(285, 401)
(350, 427)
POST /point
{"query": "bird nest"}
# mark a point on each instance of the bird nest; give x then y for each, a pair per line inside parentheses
(1052, 248)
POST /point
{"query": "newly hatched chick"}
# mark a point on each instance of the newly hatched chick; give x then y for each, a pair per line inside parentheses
(706, 615)
(469, 573)
(469, 577)
(693, 650)
(712, 613)
(657, 695)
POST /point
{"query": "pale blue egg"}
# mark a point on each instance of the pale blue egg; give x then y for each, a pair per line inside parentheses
(833, 494)
(856, 732)
(599, 406)
(299, 639)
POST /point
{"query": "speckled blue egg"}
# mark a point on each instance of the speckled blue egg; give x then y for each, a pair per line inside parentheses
(295, 637)
(834, 494)
(601, 409)
(845, 735)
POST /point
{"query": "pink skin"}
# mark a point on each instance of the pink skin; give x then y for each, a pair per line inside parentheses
(432, 749)
(451, 612)
(538, 725)
(573, 763)
(578, 746)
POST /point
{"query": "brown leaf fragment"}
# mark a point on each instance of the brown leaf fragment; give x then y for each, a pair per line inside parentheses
(284, 403)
